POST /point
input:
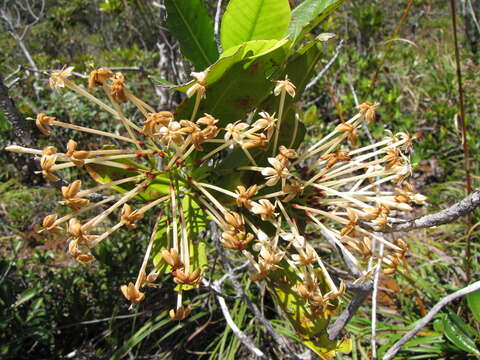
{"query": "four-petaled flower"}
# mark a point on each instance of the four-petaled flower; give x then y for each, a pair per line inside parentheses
(276, 172)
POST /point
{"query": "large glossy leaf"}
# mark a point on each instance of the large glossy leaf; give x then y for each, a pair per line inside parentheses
(254, 20)
(249, 49)
(196, 222)
(104, 174)
(473, 301)
(308, 15)
(216, 70)
(240, 89)
(189, 22)
(300, 69)
(311, 329)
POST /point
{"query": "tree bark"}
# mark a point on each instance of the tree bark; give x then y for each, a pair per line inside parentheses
(20, 134)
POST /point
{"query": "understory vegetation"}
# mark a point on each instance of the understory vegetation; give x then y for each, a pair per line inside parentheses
(389, 63)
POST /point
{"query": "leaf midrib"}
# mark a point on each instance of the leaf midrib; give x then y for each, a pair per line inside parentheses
(190, 31)
(262, 2)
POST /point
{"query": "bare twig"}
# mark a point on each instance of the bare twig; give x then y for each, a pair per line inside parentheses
(360, 289)
(376, 278)
(461, 208)
(268, 326)
(360, 293)
(216, 287)
(20, 131)
(352, 268)
(425, 320)
(217, 24)
(474, 17)
(325, 69)
(238, 333)
(11, 16)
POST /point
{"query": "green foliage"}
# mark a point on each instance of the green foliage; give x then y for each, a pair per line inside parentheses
(254, 20)
(308, 15)
(189, 22)
(46, 302)
(242, 85)
(458, 332)
(473, 300)
(312, 328)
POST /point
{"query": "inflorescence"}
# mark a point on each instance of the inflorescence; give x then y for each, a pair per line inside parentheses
(332, 187)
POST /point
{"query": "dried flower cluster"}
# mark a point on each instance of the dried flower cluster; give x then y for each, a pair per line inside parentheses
(332, 187)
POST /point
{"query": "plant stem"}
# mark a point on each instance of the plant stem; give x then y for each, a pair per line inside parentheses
(466, 152)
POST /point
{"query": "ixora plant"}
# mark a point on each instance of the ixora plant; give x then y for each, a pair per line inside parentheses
(231, 157)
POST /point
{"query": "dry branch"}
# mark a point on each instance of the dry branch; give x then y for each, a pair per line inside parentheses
(445, 301)
(461, 208)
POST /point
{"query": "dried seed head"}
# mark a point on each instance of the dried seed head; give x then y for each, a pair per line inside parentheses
(255, 140)
(236, 240)
(118, 88)
(71, 190)
(292, 190)
(85, 259)
(46, 163)
(180, 314)
(351, 131)
(192, 278)
(199, 87)
(306, 257)
(276, 172)
(58, 77)
(172, 258)
(98, 77)
(154, 121)
(235, 221)
(42, 121)
(264, 208)
(207, 120)
(284, 86)
(244, 195)
(48, 223)
(367, 109)
(132, 294)
(129, 217)
(353, 222)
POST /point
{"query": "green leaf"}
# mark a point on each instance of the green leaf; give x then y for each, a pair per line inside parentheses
(240, 89)
(473, 301)
(254, 20)
(104, 174)
(311, 329)
(196, 222)
(255, 48)
(458, 337)
(249, 49)
(217, 69)
(299, 68)
(161, 242)
(26, 296)
(308, 15)
(466, 328)
(189, 22)
(161, 80)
